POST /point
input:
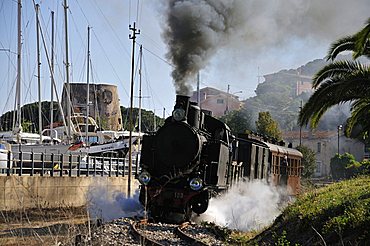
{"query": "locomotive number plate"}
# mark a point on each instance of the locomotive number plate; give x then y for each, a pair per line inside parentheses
(178, 195)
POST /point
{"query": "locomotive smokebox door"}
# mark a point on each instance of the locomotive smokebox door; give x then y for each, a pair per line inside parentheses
(177, 145)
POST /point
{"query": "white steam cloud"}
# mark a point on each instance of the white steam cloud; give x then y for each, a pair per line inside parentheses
(109, 205)
(246, 206)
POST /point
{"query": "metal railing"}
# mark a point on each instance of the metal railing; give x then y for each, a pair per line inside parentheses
(43, 164)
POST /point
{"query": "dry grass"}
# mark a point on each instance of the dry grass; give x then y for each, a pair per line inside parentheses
(41, 226)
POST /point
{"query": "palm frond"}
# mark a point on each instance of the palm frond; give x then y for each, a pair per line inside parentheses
(333, 91)
(344, 44)
(360, 113)
(362, 41)
(338, 69)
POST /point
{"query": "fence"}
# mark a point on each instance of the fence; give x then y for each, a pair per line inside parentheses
(43, 164)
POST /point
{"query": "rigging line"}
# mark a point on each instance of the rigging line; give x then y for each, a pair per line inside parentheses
(153, 42)
(52, 74)
(151, 52)
(148, 84)
(129, 11)
(7, 54)
(8, 98)
(114, 32)
(82, 41)
(114, 70)
(93, 75)
(83, 13)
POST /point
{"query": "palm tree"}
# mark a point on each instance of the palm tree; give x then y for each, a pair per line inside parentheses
(343, 81)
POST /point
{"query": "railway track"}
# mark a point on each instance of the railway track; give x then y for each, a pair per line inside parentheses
(159, 234)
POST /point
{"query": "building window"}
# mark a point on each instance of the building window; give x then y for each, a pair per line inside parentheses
(318, 168)
(319, 147)
(220, 101)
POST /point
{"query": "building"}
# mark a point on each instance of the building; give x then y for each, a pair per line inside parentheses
(104, 104)
(325, 145)
(303, 86)
(216, 101)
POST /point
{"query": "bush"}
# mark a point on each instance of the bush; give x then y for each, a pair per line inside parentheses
(345, 166)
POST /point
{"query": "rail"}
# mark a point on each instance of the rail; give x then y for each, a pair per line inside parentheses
(43, 164)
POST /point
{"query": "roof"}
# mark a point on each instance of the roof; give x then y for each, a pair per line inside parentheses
(311, 135)
(283, 150)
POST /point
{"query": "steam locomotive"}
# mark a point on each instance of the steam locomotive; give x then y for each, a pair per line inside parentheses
(194, 156)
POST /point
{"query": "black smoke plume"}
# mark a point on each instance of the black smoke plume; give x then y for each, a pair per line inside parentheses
(196, 28)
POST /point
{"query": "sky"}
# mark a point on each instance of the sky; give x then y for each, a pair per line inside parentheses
(238, 41)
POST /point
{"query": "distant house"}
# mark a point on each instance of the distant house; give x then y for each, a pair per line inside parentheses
(303, 87)
(216, 101)
(325, 145)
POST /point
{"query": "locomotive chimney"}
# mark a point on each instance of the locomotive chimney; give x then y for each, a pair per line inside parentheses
(182, 102)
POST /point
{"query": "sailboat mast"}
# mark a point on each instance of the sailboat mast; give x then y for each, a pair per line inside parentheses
(88, 85)
(18, 125)
(52, 78)
(38, 68)
(68, 88)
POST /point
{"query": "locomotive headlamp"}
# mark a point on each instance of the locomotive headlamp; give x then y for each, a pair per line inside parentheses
(144, 178)
(196, 184)
(178, 114)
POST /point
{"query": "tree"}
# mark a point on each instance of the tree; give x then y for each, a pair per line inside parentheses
(147, 119)
(266, 125)
(308, 161)
(30, 117)
(239, 121)
(343, 166)
(341, 82)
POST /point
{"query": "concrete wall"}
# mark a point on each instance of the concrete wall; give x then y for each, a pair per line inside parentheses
(18, 192)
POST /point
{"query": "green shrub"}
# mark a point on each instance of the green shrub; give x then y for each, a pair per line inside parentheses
(345, 166)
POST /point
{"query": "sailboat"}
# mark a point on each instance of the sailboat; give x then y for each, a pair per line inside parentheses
(17, 135)
(109, 142)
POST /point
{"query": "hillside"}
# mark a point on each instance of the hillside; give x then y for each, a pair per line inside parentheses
(278, 95)
(338, 214)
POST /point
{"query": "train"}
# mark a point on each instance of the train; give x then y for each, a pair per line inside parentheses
(194, 157)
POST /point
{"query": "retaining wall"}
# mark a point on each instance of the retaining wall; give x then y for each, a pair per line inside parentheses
(17, 192)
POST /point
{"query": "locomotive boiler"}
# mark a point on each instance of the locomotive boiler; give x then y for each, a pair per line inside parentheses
(185, 162)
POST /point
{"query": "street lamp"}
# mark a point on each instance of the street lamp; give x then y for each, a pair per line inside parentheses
(339, 128)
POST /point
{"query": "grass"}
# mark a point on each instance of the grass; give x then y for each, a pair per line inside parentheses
(41, 226)
(336, 214)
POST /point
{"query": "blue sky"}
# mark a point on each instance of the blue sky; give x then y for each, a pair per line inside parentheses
(273, 35)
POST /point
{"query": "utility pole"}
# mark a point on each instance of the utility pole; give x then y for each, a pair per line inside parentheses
(133, 37)
(38, 68)
(140, 98)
